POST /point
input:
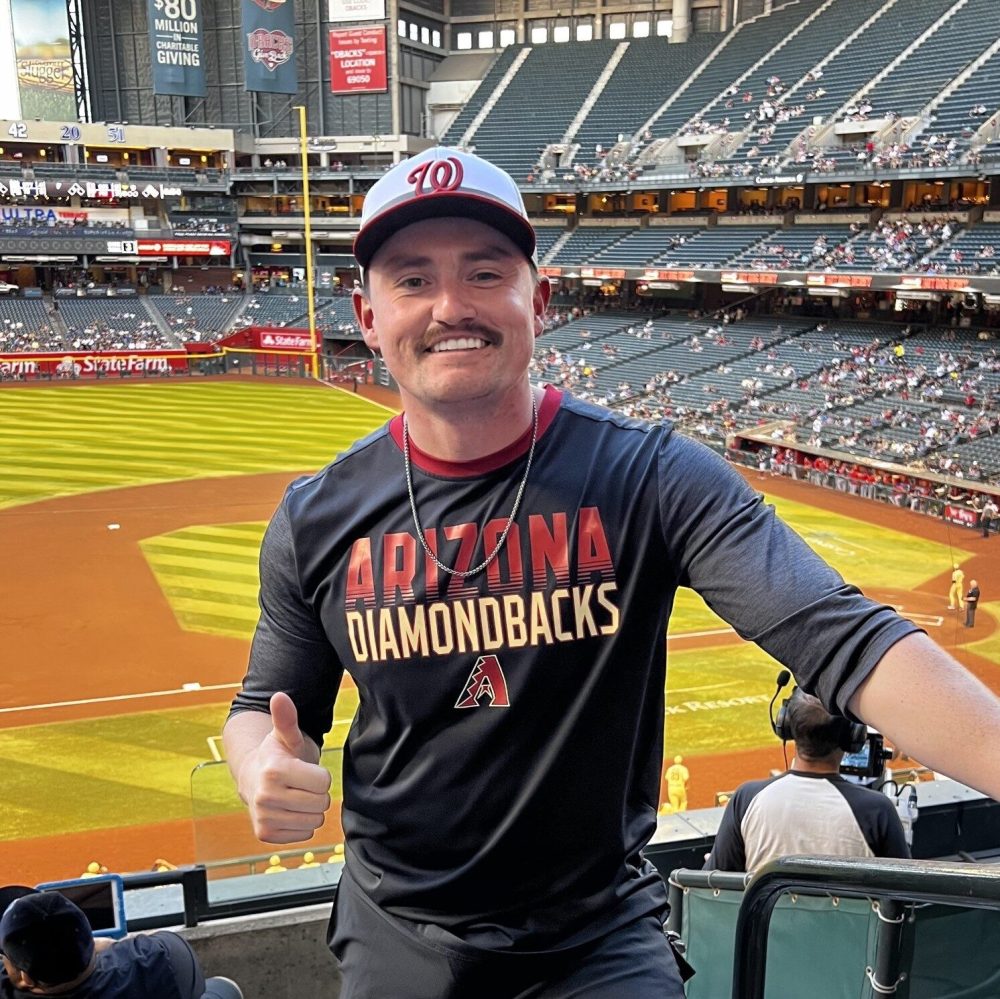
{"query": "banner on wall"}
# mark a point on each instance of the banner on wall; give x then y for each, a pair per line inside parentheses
(43, 59)
(269, 46)
(356, 10)
(176, 47)
(358, 60)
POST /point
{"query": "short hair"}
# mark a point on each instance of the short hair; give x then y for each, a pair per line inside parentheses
(46, 936)
(816, 733)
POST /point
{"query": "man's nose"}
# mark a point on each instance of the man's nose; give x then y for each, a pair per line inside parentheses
(453, 304)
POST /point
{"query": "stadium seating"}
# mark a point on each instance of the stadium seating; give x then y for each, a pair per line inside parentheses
(197, 317)
(25, 326)
(857, 63)
(750, 43)
(274, 310)
(565, 74)
(650, 70)
(546, 237)
(112, 324)
(795, 248)
(912, 85)
(472, 107)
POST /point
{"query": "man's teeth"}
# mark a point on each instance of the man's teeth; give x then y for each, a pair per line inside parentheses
(459, 343)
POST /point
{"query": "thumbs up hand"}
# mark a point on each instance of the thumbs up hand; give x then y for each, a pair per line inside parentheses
(286, 789)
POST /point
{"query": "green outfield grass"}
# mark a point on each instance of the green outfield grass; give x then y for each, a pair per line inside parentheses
(68, 441)
(81, 438)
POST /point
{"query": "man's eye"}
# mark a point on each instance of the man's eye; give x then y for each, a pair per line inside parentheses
(412, 282)
(486, 276)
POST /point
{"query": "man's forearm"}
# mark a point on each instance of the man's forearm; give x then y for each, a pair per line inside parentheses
(935, 710)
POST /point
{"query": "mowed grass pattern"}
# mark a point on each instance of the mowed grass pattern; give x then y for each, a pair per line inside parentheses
(62, 441)
(66, 441)
(209, 576)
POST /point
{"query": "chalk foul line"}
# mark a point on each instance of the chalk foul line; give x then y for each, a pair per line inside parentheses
(188, 688)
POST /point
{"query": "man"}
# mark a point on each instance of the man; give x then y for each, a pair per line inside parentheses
(988, 515)
(971, 603)
(808, 809)
(48, 949)
(677, 777)
(955, 598)
(495, 570)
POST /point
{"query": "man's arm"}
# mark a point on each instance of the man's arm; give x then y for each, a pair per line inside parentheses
(183, 963)
(935, 710)
(275, 729)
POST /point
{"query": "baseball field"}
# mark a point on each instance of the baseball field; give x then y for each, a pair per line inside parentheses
(131, 518)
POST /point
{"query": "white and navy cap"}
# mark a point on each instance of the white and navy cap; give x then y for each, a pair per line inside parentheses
(442, 182)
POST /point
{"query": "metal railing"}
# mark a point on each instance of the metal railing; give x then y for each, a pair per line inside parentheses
(898, 881)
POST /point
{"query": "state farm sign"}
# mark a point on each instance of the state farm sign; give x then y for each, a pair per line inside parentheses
(283, 341)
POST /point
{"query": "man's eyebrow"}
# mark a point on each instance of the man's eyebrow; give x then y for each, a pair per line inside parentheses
(489, 252)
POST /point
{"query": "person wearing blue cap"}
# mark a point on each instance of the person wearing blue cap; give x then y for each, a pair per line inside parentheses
(495, 569)
(49, 948)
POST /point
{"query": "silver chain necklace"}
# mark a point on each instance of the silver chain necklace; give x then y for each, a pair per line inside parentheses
(464, 574)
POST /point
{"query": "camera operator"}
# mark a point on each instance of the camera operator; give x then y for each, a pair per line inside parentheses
(811, 808)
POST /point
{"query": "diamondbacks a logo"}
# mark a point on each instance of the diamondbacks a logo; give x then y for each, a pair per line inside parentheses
(270, 48)
(269, 5)
(485, 680)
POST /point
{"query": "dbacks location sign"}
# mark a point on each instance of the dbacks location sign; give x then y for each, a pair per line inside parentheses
(269, 46)
(358, 60)
(176, 47)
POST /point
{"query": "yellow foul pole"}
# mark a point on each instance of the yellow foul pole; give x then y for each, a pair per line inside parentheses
(307, 211)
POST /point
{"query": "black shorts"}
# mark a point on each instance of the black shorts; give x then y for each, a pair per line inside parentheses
(384, 957)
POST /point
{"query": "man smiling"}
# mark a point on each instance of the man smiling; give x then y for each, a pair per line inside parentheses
(495, 570)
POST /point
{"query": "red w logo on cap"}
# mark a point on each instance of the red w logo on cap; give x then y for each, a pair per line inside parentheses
(440, 176)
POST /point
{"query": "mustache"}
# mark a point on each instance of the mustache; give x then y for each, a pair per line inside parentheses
(435, 333)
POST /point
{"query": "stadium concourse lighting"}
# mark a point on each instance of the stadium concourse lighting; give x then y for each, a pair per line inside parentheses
(307, 214)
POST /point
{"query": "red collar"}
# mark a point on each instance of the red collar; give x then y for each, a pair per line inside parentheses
(551, 401)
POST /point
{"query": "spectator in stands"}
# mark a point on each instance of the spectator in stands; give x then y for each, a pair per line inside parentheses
(49, 949)
(988, 515)
(810, 808)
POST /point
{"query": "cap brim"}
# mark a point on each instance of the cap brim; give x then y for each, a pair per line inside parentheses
(514, 226)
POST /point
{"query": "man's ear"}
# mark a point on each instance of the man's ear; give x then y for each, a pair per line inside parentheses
(366, 319)
(540, 302)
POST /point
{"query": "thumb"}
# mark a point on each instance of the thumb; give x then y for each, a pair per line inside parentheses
(285, 722)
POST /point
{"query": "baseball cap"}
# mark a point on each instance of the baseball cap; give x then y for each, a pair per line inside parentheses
(441, 182)
(8, 893)
(47, 937)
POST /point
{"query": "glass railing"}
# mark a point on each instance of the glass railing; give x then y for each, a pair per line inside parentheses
(238, 864)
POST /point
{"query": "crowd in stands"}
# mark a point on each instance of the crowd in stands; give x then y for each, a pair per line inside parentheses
(12, 223)
(202, 227)
(124, 330)
(18, 336)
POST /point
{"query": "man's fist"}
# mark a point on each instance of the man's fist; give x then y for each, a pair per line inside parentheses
(286, 790)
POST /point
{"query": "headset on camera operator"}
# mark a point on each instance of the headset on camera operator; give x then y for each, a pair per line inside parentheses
(811, 808)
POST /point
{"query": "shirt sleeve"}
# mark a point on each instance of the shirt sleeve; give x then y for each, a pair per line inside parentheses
(893, 835)
(184, 965)
(729, 851)
(290, 649)
(757, 574)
